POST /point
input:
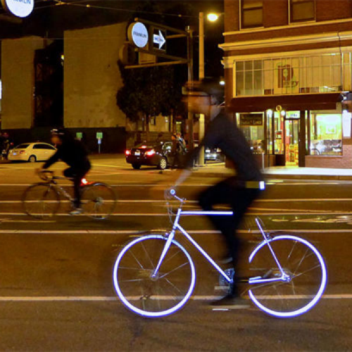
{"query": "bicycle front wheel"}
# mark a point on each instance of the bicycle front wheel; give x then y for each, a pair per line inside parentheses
(98, 200)
(41, 201)
(305, 273)
(153, 295)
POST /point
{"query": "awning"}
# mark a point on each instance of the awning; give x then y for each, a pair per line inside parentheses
(288, 102)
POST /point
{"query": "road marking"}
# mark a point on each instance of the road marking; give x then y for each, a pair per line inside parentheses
(341, 296)
(138, 233)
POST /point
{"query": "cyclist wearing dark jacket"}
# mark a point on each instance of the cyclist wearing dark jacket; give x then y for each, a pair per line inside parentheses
(74, 154)
(238, 191)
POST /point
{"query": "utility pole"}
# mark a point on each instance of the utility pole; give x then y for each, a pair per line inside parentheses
(201, 123)
(190, 79)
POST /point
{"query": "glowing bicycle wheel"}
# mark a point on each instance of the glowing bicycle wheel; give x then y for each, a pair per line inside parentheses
(152, 296)
(305, 272)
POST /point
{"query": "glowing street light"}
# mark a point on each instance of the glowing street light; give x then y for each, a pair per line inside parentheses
(212, 17)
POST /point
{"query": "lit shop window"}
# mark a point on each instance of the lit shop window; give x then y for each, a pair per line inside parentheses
(252, 126)
(326, 134)
(293, 75)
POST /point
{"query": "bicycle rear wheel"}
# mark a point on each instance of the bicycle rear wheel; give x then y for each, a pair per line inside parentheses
(41, 201)
(306, 276)
(155, 296)
(98, 200)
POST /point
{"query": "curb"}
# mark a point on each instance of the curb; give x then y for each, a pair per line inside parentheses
(220, 174)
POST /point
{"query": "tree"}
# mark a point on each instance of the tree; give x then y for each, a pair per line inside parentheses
(150, 91)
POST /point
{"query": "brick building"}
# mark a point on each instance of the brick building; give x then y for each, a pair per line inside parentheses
(286, 64)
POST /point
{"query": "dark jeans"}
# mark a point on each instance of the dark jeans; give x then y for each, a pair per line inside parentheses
(239, 198)
(76, 175)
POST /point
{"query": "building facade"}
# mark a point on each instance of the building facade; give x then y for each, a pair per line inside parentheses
(71, 82)
(286, 64)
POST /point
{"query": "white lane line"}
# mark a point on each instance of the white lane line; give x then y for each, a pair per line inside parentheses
(266, 213)
(341, 296)
(138, 233)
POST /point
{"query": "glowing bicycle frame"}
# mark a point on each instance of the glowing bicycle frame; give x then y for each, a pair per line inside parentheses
(281, 275)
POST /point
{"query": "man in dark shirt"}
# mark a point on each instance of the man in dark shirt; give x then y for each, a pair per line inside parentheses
(238, 191)
(74, 154)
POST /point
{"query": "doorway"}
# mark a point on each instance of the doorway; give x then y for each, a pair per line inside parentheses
(291, 142)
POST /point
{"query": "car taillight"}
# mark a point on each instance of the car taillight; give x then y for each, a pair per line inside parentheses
(127, 152)
(22, 151)
(150, 152)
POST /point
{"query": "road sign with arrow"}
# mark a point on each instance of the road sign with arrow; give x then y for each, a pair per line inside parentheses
(159, 40)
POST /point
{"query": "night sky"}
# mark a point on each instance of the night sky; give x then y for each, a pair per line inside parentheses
(50, 19)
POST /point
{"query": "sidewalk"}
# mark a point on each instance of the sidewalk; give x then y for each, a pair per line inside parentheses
(282, 172)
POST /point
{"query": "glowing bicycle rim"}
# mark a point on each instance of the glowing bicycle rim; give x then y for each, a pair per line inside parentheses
(311, 253)
(142, 276)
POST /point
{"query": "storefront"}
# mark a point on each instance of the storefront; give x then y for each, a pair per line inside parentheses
(315, 138)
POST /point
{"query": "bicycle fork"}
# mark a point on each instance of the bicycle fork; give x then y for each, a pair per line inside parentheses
(167, 244)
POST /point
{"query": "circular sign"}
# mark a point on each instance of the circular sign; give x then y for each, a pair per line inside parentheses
(138, 34)
(19, 8)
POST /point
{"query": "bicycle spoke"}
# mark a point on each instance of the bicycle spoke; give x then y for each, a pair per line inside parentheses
(179, 267)
(145, 251)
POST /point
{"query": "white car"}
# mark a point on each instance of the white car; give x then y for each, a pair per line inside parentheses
(32, 152)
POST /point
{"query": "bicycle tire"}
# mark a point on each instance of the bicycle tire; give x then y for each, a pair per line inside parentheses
(306, 270)
(153, 297)
(41, 200)
(98, 200)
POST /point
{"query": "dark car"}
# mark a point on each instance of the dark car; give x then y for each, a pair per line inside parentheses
(213, 155)
(157, 154)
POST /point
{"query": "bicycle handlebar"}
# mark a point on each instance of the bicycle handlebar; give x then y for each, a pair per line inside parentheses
(172, 193)
(45, 174)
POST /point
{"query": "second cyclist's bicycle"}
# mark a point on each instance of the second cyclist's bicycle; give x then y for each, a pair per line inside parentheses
(154, 275)
(42, 200)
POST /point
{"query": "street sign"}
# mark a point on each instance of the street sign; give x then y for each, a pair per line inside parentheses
(138, 34)
(19, 8)
(99, 135)
(159, 39)
(79, 135)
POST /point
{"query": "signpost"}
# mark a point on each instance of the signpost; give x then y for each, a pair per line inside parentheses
(99, 138)
(18, 8)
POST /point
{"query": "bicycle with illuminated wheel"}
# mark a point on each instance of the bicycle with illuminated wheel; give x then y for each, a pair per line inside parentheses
(154, 275)
(42, 200)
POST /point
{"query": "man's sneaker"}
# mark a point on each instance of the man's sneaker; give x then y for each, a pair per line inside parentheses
(230, 302)
(77, 211)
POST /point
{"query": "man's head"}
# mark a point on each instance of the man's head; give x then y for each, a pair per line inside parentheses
(57, 135)
(204, 97)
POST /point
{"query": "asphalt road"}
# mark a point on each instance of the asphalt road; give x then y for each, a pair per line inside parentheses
(56, 291)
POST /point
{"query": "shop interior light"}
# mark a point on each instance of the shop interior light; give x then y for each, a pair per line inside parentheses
(269, 113)
(283, 113)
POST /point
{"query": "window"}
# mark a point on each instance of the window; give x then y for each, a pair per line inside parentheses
(252, 13)
(252, 126)
(302, 10)
(22, 146)
(43, 146)
(293, 75)
(325, 134)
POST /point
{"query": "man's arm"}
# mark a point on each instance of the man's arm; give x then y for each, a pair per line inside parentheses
(53, 159)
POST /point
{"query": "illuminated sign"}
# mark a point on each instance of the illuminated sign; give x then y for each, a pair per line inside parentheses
(19, 8)
(138, 34)
(251, 119)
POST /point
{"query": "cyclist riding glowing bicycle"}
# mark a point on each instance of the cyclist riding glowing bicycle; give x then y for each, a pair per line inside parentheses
(237, 191)
(74, 154)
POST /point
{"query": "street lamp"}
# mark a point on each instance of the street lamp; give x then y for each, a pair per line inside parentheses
(212, 17)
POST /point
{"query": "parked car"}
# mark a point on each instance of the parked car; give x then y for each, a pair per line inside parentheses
(156, 154)
(213, 155)
(32, 152)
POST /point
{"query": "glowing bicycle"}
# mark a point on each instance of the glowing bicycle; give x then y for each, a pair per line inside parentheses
(154, 275)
